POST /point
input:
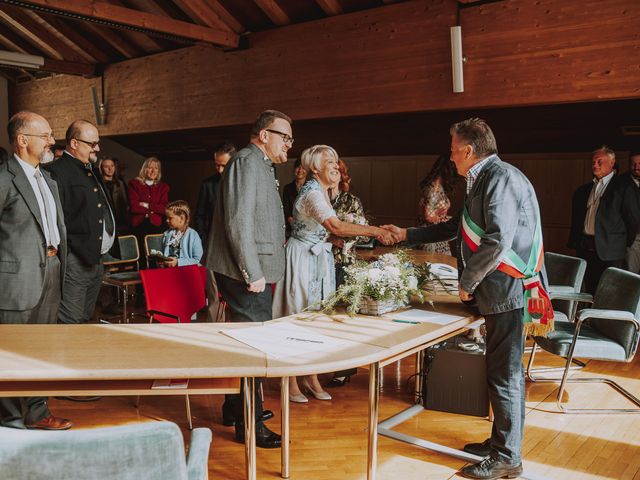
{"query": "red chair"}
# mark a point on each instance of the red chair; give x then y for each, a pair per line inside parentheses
(174, 294)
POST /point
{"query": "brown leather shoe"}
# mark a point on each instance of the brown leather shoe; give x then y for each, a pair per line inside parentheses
(51, 423)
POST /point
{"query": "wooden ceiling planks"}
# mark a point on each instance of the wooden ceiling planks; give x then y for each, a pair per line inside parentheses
(127, 17)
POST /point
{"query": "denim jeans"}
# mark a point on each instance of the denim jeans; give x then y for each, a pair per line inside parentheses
(505, 376)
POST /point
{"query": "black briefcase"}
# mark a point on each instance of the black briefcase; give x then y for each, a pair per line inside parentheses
(455, 380)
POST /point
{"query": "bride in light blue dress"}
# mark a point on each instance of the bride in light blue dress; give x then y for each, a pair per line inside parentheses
(310, 271)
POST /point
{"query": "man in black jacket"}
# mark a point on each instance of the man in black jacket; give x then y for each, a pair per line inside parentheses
(89, 220)
(600, 219)
(209, 190)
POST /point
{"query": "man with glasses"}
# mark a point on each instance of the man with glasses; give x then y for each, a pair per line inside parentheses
(248, 242)
(89, 218)
(32, 251)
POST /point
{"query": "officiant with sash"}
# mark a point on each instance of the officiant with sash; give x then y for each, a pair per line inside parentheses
(500, 263)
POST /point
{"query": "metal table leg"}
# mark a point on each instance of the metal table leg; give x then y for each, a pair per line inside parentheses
(284, 420)
(374, 397)
(249, 427)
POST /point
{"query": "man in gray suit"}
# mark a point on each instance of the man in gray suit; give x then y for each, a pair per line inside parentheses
(32, 251)
(500, 223)
(248, 241)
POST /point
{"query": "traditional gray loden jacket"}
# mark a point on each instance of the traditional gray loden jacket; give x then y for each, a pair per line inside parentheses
(246, 241)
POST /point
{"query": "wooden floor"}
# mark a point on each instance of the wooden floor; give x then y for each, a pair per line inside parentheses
(329, 439)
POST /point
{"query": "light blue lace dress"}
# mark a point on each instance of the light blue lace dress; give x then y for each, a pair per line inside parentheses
(309, 275)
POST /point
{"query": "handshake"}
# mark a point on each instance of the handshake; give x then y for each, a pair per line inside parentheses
(390, 234)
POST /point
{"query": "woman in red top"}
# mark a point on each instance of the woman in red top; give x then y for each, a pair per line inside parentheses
(148, 198)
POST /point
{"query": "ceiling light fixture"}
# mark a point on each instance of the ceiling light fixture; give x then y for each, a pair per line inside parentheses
(23, 60)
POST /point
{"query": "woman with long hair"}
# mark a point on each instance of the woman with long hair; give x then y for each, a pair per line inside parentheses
(435, 200)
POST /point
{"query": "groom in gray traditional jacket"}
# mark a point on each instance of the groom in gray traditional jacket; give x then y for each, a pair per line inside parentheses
(501, 221)
(248, 243)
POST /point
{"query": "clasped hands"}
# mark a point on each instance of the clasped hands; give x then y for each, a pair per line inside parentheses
(390, 234)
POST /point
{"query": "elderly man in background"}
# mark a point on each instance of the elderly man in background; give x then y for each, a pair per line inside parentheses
(32, 251)
(500, 221)
(89, 218)
(248, 236)
(600, 220)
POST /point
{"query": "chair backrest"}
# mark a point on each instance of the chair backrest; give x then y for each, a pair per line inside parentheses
(177, 291)
(131, 452)
(565, 271)
(129, 253)
(618, 290)
(152, 242)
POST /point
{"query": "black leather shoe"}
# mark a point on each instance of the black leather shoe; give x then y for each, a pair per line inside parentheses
(480, 449)
(265, 438)
(229, 418)
(492, 468)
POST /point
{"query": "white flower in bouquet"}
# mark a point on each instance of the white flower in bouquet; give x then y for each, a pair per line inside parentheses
(412, 282)
(374, 275)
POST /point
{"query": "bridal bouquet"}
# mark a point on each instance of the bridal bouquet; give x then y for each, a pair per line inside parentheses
(380, 286)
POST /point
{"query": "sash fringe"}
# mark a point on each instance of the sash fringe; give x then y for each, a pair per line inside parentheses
(538, 329)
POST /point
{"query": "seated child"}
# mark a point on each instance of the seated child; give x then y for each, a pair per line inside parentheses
(181, 243)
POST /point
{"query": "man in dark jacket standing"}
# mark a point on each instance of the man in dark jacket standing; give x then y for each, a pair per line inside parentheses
(600, 220)
(209, 190)
(499, 237)
(89, 219)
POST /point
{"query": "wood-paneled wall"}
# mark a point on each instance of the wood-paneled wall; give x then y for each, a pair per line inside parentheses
(395, 58)
(388, 186)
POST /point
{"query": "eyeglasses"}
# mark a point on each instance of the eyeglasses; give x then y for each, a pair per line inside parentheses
(44, 136)
(91, 144)
(286, 138)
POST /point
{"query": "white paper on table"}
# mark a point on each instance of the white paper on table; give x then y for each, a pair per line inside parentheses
(424, 316)
(284, 339)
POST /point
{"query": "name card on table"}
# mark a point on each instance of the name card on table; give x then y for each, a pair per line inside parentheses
(284, 339)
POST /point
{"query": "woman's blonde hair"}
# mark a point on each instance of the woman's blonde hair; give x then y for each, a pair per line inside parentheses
(145, 164)
(180, 208)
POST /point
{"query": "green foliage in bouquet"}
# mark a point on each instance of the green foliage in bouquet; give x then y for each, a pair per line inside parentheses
(392, 277)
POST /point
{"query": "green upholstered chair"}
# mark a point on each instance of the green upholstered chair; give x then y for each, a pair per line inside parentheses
(153, 450)
(564, 274)
(123, 272)
(609, 330)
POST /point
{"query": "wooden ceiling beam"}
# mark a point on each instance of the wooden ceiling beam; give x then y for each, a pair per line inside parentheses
(275, 13)
(330, 7)
(225, 16)
(72, 33)
(70, 68)
(202, 13)
(14, 19)
(85, 56)
(122, 17)
(114, 40)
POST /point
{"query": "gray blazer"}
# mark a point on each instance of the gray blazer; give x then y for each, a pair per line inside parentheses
(22, 240)
(246, 241)
(504, 204)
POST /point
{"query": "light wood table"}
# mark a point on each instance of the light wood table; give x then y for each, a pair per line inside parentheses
(125, 359)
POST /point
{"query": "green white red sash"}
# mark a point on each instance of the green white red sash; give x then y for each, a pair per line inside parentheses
(538, 314)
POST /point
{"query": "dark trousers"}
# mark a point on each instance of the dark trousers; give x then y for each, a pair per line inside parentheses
(245, 306)
(595, 265)
(80, 292)
(505, 376)
(16, 411)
